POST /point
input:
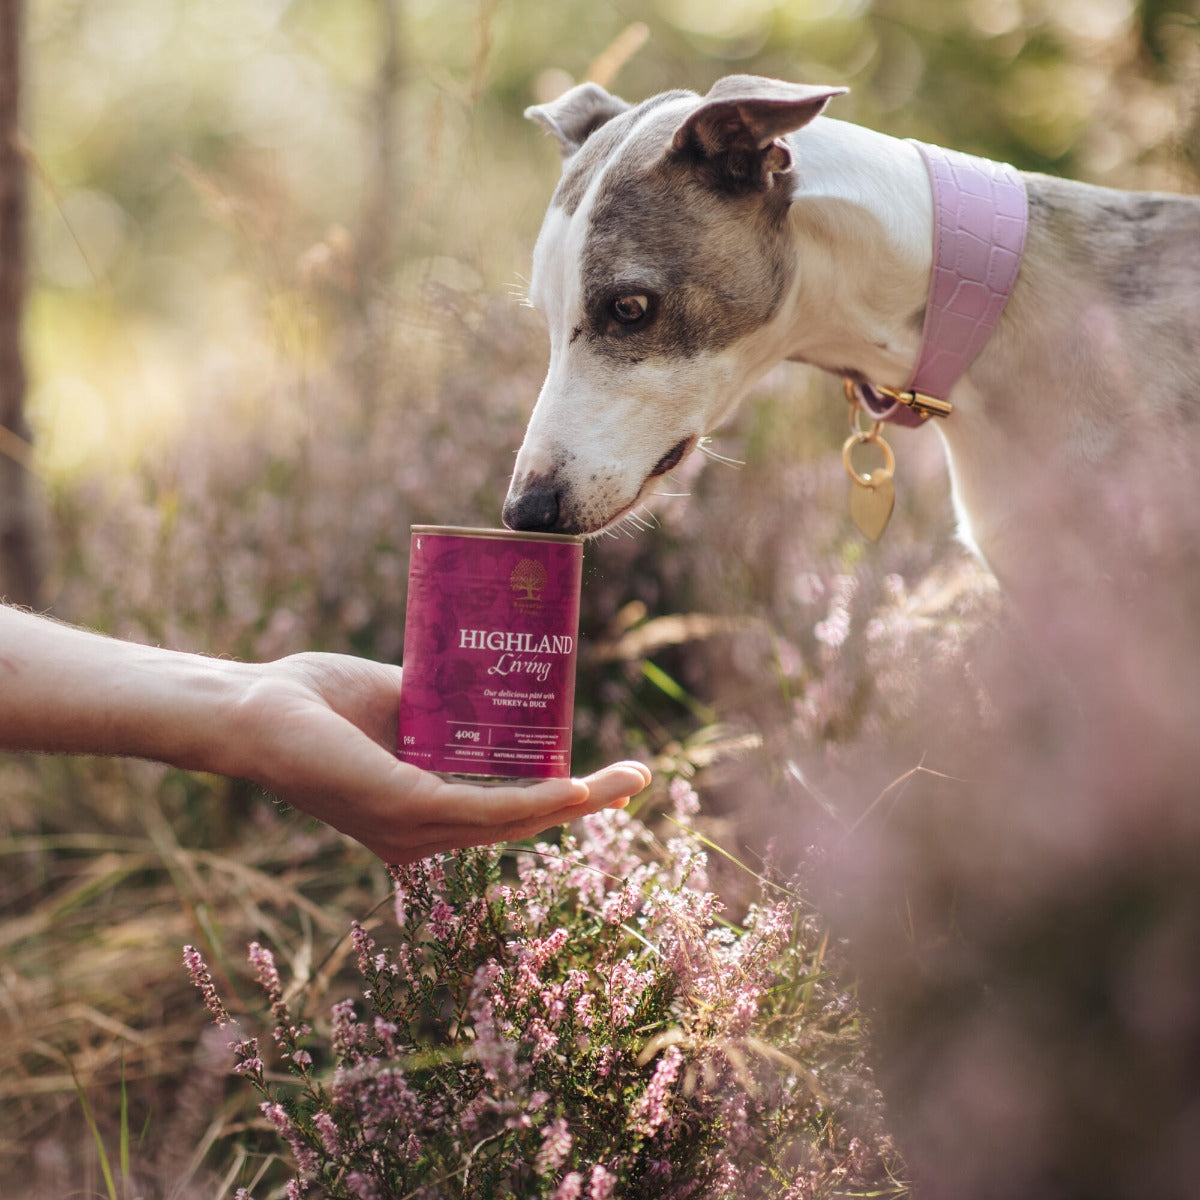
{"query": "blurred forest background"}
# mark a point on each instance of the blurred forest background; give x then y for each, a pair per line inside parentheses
(276, 258)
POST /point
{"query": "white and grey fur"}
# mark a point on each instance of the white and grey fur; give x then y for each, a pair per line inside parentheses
(756, 230)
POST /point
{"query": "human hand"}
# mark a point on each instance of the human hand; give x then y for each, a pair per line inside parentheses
(318, 730)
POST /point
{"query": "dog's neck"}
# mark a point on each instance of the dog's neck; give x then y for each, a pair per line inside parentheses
(1054, 381)
(862, 215)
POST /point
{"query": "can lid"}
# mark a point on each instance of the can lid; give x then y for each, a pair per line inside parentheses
(498, 534)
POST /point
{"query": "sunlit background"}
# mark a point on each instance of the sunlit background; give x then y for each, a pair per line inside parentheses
(205, 173)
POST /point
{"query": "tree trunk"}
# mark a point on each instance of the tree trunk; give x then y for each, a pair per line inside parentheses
(20, 572)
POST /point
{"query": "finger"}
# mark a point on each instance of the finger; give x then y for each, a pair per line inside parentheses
(618, 781)
(507, 805)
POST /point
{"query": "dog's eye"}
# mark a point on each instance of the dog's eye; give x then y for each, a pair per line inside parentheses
(629, 310)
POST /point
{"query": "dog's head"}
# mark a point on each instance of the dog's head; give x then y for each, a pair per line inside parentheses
(665, 254)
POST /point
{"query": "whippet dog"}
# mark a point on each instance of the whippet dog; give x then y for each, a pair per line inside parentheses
(694, 242)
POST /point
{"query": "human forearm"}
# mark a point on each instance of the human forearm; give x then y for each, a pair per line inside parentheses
(65, 690)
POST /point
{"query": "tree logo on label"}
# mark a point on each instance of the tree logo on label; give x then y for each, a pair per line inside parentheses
(527, 580)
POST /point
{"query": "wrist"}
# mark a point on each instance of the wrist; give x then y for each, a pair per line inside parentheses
(183, 709)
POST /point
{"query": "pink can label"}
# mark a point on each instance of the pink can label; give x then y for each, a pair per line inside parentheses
(489, 652)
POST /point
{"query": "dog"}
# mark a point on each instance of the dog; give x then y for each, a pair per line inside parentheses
(693, 242)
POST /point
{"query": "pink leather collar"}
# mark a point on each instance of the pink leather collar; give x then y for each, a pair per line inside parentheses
(981, 214)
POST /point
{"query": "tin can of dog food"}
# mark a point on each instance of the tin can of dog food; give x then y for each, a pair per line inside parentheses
(489, 653)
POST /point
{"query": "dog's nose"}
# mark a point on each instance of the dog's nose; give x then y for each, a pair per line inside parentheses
(534, 510)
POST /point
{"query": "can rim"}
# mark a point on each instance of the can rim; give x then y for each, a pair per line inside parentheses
(498, 534)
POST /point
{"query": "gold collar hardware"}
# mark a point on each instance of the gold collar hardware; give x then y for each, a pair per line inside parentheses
(927, 406)
(873, 495)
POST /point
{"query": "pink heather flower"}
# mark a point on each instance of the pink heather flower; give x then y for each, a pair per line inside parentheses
(386, 1032)
(198, 970)
(556, 1145)
(685, 803)
(544, 1039)
(327, 1128)
(743, 1012)
(619, 906)
(443, 921)
(348, 1032)
(263, 962)
(363, 945)
(584, 1012)
(689, 864)
(386, 1101)
(602, 1183)
(651, 1109)
(496, 1054)
(277, 1118)
(542, 950)
(363, 1186)
(625, 988)
(571, 1187)
(246, 1052)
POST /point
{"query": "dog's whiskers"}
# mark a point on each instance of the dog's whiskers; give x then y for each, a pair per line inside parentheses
(519, 291)
(638, 520)
(704, 445)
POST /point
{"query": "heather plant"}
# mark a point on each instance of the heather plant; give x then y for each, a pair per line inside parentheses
(588, 1024)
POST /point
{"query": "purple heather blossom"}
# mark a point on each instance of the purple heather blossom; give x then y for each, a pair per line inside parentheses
(539, 986)
(556, 1145)
(685, 804)
(278, 1119)
(198, 970)
(248, 1061)
(650, 1111)
(364, 945)
(349, 1034)
(385, 1101)
(443, 921)
(602, 1184)
(543, 1038)
(571, 1187)
(364, 1187)
(585, 1011)
(327, 1130)
(625, 988)
(263, 962)
(386, 1032)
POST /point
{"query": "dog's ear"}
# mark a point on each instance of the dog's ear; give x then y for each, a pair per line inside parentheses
(739, 123)
(577, 114)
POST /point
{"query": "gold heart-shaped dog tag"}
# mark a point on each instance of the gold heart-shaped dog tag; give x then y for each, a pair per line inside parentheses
(871, 503)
